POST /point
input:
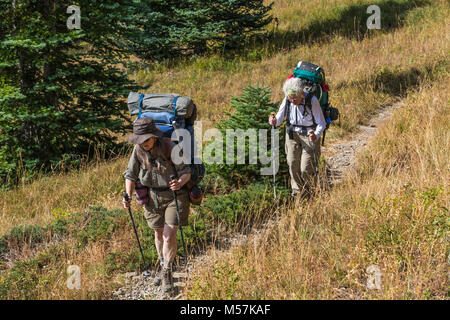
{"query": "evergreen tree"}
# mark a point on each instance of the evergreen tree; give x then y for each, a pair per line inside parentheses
(173, 27)
(223, 24)
(251, 111)
(153, 21)
(61, 91)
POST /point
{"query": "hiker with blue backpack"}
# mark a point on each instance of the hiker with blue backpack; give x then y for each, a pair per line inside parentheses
(150, 165)
(303, 109)
(164, 187)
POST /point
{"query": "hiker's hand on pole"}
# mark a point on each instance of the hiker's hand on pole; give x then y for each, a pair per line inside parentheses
(177, 183)
(312, 136)
(272, 120)
(129, 188)
(126, 201)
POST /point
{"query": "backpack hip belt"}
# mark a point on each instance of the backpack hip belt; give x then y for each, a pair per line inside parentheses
(304, 129)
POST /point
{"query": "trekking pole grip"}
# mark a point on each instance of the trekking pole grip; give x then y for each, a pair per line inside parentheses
(126, 197)
(173, 177)
(273, 114)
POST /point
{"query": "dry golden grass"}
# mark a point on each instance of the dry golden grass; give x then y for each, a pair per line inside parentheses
(51, 281)
(97, 184)
(391, 212)
(212, 80)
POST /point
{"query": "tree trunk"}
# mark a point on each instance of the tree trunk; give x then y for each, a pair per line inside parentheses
(49, 8)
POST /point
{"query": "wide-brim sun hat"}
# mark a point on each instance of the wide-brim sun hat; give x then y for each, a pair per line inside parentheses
(144, 129)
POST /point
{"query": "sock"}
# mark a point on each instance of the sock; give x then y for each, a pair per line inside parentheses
(166, 264)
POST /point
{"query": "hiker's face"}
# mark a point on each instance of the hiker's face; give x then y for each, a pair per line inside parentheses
(148, 144)
(296, 98)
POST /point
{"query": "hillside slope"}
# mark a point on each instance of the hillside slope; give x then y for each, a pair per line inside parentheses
(380, 234)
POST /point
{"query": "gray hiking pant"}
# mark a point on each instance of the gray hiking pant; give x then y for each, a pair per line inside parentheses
(300, 158)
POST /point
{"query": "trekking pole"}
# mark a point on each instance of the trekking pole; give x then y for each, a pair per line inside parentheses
(172, 177)
(313, 147)
(127, 199)
(273, 166)
(316, 165)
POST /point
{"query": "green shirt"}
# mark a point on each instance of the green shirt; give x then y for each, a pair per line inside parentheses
(153, 168)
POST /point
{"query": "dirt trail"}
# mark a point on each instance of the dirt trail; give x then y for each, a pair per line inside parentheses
(343, 153)
(340, 158)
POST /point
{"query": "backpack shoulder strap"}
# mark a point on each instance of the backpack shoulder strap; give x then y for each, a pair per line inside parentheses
(308, 104)
(287, 107)
(167, 146)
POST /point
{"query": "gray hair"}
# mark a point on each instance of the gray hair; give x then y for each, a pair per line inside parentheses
(294, 84)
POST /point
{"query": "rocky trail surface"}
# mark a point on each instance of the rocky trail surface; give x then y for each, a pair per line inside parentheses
(340, 158)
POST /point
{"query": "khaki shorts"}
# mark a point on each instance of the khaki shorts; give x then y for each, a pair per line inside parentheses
(161, 209)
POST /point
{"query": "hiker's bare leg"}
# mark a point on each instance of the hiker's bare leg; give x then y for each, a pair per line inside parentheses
(159, 242)
(170, 242)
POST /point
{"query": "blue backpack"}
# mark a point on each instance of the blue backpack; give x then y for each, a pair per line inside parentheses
(169, 111)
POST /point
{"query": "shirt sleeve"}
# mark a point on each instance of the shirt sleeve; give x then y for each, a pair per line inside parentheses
(132, 171)
(182, 169)
(318, 116)
(281, 113)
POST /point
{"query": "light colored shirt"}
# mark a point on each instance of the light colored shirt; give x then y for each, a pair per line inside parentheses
(298, 116)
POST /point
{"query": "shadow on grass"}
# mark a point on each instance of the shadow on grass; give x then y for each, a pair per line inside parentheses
(349, 22)
(397, 82)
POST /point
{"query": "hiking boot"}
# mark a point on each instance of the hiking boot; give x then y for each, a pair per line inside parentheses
(158, 276)
(167, 280)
